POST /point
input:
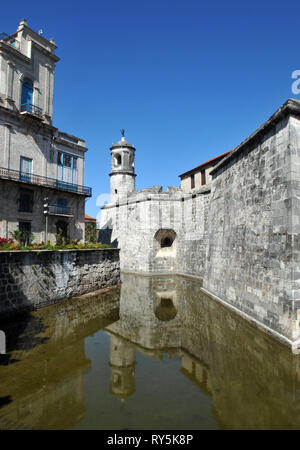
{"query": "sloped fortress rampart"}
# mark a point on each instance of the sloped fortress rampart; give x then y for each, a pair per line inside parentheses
(238, 231)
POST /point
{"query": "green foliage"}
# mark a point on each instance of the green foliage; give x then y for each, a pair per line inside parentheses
(17, 235)
(22, 237)
(60, 239)
(24, 241)
(90, 232)
(42, 246)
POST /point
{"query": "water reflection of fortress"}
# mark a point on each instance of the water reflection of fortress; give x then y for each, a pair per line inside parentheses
(242, 370)
(42, 378)
(171, 317)
(152, 322)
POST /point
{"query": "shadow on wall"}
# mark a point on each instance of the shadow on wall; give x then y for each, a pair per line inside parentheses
(105, 235)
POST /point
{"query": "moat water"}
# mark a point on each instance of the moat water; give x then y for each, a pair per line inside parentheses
(156, 354)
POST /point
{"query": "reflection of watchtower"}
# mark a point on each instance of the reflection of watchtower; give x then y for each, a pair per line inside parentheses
(122, 362)
(2, 343)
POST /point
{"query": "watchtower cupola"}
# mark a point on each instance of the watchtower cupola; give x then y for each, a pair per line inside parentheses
(122, 176)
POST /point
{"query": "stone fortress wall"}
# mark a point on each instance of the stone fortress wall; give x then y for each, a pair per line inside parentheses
(240, 232)
(139, 222)
(252, 258)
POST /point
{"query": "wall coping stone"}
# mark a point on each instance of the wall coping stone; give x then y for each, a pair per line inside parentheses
(290, 108)
(60, 251)
(144, 196)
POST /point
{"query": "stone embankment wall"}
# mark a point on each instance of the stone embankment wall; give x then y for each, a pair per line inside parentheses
(32, 279)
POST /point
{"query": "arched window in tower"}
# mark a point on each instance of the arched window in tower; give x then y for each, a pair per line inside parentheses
(117, 159)
(131, 162)
(27, 96)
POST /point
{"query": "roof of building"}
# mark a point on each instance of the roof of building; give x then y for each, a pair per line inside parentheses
(196, 169)
(122, 143)
(89, 218)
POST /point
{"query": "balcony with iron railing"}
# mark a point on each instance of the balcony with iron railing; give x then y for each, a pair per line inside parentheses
(58, 210)
(10, 39)
(31, 109)
(37, 180)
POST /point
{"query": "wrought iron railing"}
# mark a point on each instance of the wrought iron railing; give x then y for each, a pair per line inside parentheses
(25, 177)
(10, 39)
(61, 210)
(32, 109)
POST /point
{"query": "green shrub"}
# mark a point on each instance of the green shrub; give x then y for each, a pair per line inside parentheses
(11, 245)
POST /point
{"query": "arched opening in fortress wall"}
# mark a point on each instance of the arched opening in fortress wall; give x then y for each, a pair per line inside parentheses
(165, 306)
(165, 243)
(165, 310)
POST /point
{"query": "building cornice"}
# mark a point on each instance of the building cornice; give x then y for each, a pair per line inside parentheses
(122, 146)
(11, 51)
(28, 30)
(23, 118)
(123, 172)
(45, 51)
(50, 130)
(69, 144)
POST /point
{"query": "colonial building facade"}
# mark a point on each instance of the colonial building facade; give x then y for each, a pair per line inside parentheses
(37, 160)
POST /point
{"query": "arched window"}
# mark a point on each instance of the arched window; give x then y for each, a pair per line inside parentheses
(131, 162)
(118, 159)
(27, 96)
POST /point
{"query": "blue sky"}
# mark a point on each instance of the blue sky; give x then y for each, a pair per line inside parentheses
(187, 79)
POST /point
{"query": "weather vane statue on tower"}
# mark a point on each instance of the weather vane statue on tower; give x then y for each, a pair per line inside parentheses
(122, 132)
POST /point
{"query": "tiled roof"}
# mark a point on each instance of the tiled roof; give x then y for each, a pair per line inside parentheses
(89, 218)
(196, 169)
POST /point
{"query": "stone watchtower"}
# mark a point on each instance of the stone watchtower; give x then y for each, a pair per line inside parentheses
(122, 176)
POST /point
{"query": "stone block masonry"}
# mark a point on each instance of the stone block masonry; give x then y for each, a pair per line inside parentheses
(32, 279)
(138, 223)
(252, 256)
(240, 232)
